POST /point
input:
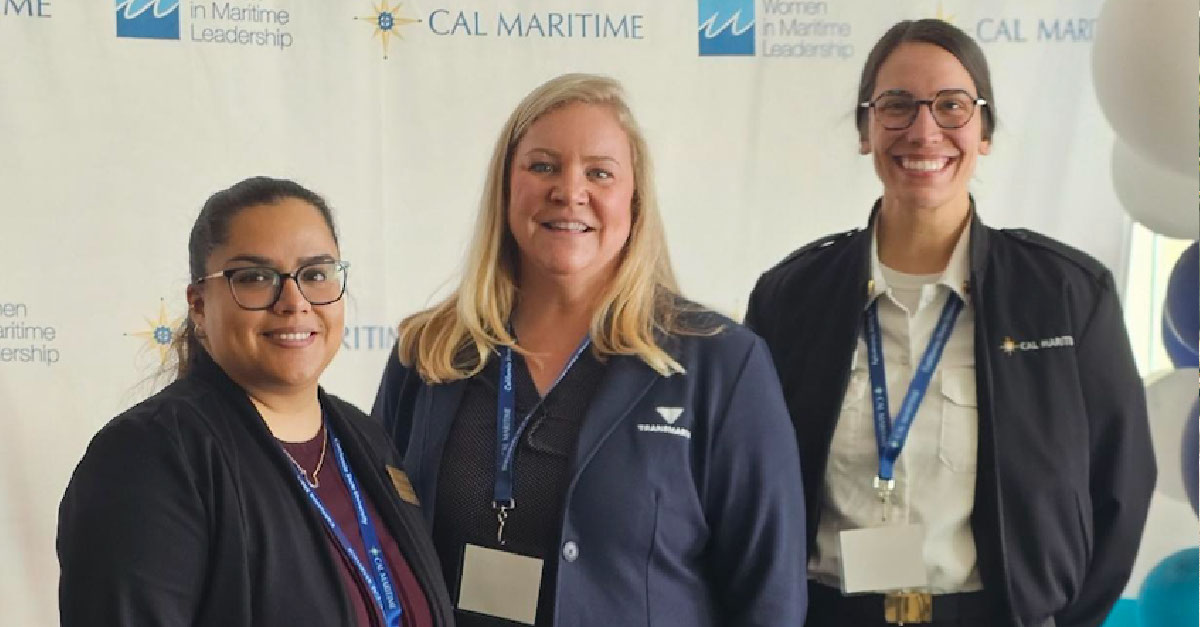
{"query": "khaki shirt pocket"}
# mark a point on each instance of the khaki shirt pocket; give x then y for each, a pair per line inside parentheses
(854, 434)
(958, 445)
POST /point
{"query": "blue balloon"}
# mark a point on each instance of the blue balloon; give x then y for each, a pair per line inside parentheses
(1191, 455)
(1180, 354)
(1182, 310)
(1170, 594)
(1123, 614)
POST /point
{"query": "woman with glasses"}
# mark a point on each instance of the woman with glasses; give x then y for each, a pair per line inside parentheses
(589, 447)
(972, 425)
(243, 494)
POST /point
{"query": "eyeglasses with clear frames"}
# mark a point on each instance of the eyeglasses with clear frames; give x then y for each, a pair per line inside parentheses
(255, 288)
(896, 110)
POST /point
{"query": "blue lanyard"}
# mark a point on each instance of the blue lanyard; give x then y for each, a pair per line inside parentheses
(890, 437)
(508, 435)
(380, 583)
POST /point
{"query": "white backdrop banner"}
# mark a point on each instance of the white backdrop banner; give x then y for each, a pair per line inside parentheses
(117, 120)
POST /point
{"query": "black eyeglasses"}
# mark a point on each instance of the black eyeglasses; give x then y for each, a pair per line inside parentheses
(951, 108)
(258, 287)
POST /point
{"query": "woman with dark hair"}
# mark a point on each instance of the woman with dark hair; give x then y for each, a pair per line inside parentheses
(243, 495)
(972, 426)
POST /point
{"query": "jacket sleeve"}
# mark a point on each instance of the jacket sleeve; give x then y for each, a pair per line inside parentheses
(396, 400)
(754, 501)
(755, 314)
(132, 542)
(1122, 467)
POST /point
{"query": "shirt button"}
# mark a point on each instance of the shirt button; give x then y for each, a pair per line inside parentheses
(570, 551)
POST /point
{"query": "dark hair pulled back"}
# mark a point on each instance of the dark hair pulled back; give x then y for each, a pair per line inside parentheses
(943, 35)
(211, 230)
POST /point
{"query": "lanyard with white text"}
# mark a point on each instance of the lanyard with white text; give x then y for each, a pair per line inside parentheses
(380, 583)
(889, 436)
(508, 435)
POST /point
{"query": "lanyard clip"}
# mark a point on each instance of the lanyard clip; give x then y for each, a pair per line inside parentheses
(502, 510)
(884, 488)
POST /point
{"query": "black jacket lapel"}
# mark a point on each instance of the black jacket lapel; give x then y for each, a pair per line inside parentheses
(402, 520)
(626, 381)
(434, 415)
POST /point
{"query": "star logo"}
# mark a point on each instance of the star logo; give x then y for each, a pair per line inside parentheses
(159, 333)
(943, 16)
(386, 19)
(1008, 346)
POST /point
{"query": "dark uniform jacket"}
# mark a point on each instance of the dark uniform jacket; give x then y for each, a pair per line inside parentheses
(692, 519)
(185, 512)
(1065, 466)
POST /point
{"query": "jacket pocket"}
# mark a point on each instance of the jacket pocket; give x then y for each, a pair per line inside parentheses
(677, 584)
(958, 444)
(1083, 506)
(1050, 547)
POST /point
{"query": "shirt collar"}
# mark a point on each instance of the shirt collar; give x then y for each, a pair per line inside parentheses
(955, 276)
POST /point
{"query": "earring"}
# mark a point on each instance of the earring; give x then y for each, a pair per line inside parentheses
(199, 333)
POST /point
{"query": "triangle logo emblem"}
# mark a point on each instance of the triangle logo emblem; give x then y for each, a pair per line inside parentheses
(670, 414)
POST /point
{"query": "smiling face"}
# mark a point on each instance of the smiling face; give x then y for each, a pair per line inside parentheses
(571, 188)
(924, 166)
(285, 348)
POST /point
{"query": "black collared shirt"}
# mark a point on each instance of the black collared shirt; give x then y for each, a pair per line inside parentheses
(542, 471)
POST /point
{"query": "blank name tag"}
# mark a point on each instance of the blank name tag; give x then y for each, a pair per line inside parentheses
(878, 559)
(500, 584)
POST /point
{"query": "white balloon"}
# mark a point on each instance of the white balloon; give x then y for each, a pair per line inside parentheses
(1159, 199)
(1169, 399)
(1144, 67)
(1170, 528)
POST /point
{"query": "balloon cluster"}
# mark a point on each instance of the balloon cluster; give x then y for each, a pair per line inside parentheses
(1145, 82)
(1181, 335)
(1140, 58)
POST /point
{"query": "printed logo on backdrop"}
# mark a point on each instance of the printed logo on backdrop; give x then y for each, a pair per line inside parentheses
(249, 25)
(797, 29)
(386, 20)
(565, 23)
(726, 28)
(148, 19)
(369, 337)
(1026, 29)
(26, 341)
(25, 8)
(159, 332)
(1023, 29)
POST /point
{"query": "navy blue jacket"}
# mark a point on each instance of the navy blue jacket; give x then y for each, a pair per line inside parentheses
(1065, 466)
(693, 523)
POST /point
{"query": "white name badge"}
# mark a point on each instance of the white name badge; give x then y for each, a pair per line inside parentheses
(500, 584)
(879, 559)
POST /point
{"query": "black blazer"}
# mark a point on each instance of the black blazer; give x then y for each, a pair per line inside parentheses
(185, 512)
(1065, 465)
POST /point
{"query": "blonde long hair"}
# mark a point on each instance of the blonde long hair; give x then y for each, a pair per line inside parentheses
(453, 339)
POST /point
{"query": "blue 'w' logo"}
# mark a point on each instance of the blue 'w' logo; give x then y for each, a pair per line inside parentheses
(148, 19)
(726, 27)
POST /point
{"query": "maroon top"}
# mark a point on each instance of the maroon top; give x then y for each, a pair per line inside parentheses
(336, 497)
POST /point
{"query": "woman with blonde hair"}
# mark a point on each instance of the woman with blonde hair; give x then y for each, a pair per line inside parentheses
(588, 446)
